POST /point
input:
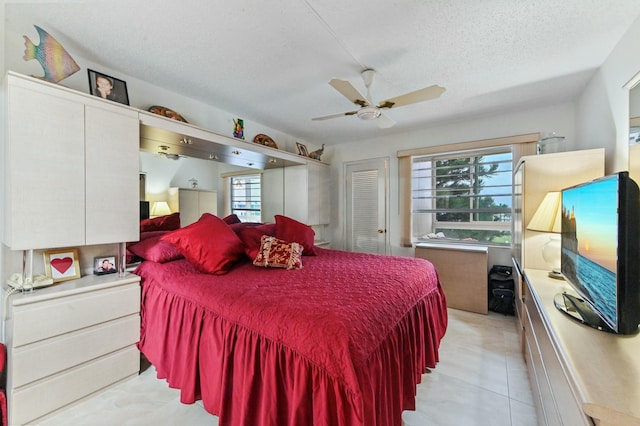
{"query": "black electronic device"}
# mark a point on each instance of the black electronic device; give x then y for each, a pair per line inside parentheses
(144, 210)
(601, 252)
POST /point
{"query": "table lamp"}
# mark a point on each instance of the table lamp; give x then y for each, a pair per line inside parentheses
(160, 208)
(547, 218)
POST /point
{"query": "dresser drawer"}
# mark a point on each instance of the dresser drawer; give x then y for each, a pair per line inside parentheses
(567, 409)
(43, 397)
(46, 319)
(38, 360)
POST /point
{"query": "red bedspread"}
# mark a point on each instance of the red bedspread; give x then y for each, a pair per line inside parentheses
(342, 341)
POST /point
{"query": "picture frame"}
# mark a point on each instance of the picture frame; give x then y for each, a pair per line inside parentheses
(107, 87)
(103, 265)
(62, 264)
(302, 149)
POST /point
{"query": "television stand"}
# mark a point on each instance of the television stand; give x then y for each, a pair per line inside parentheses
(579, 310)
(579, 375)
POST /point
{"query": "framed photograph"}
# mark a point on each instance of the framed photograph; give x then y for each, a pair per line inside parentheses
(107, 87)
(104, 265)
(302, 149)
(62, 264)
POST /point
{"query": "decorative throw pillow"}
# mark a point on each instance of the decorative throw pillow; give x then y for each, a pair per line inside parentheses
(291, 230)
(251, 237)
(208, 244)
(231, 219)
(169, 222)
(156, 250)
(276, 253)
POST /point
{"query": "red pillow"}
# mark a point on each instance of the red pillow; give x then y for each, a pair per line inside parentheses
(156, 250)
(231, 219)
(251, 237)
(276, 253)
(291, 230)
(208, 244)
(169, 222)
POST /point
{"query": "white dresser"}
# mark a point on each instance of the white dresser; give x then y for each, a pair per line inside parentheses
(68, 341)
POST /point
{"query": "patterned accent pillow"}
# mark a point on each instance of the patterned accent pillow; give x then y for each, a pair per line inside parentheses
(277, 253)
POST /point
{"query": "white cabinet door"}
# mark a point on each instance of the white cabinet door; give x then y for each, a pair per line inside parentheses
(45, 170)
(272, 197)
(207, 202)
(318, 193)
(296, 193)
(71, 168)
(192, 203)
(188, 207)
(112, 142)
(306, 193)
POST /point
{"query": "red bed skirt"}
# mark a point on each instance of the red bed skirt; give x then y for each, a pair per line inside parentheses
(246, 379)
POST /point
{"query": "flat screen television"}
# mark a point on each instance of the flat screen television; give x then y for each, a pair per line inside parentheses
(600, 253)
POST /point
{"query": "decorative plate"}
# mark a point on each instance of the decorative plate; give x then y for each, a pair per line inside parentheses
(166, 112)
(264, 140)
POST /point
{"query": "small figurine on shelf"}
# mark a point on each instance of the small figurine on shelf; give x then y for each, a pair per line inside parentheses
(317, 153)
(238, 128)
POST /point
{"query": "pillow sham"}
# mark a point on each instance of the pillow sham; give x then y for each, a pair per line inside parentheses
(251, 237)
(168, 222)
(156, 250)
(276, 253)
(288, 229)
(208, 244)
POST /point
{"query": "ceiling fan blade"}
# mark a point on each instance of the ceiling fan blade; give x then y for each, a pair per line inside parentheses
(420, 95)
(348, 91)
(384, 121)
(326, 117)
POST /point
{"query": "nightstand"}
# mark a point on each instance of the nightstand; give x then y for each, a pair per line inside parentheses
(68, 341)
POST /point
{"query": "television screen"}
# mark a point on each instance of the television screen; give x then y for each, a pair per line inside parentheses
(599, 245)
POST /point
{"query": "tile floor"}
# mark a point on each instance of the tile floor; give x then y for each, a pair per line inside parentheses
(480, 380)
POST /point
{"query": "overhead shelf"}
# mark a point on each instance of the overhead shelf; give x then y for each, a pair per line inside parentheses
(166, 136)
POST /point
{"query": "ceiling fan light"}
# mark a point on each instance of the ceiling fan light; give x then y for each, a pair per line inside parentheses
(368, 113)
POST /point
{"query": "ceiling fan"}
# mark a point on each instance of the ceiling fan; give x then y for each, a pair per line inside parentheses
(368, 109)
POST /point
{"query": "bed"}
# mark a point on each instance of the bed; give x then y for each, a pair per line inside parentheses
(342, 340)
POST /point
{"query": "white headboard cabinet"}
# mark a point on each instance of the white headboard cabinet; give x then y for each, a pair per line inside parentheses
(71, 168)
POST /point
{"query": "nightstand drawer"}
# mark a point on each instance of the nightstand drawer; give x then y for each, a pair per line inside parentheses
(41, 359)
(44, 397)
(46, 319)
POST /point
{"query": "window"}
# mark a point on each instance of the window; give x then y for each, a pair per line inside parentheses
(245, 197)
(464, 196)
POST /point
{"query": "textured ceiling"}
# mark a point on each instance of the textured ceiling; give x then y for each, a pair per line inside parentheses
(271, 61)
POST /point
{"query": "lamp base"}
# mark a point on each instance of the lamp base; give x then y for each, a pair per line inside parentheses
(556, 275)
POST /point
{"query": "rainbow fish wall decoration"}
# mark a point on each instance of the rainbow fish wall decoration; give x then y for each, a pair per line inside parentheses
(55, 61)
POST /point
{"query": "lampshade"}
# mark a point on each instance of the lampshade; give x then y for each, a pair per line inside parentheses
(160, 208)
(548, 216)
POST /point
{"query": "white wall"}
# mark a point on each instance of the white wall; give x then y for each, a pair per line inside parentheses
(602, 113)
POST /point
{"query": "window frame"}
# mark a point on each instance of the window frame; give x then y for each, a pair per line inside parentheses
(232, 198)
(473, 193)
(524, 144)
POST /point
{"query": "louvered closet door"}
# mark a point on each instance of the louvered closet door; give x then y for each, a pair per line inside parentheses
(366, 207)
